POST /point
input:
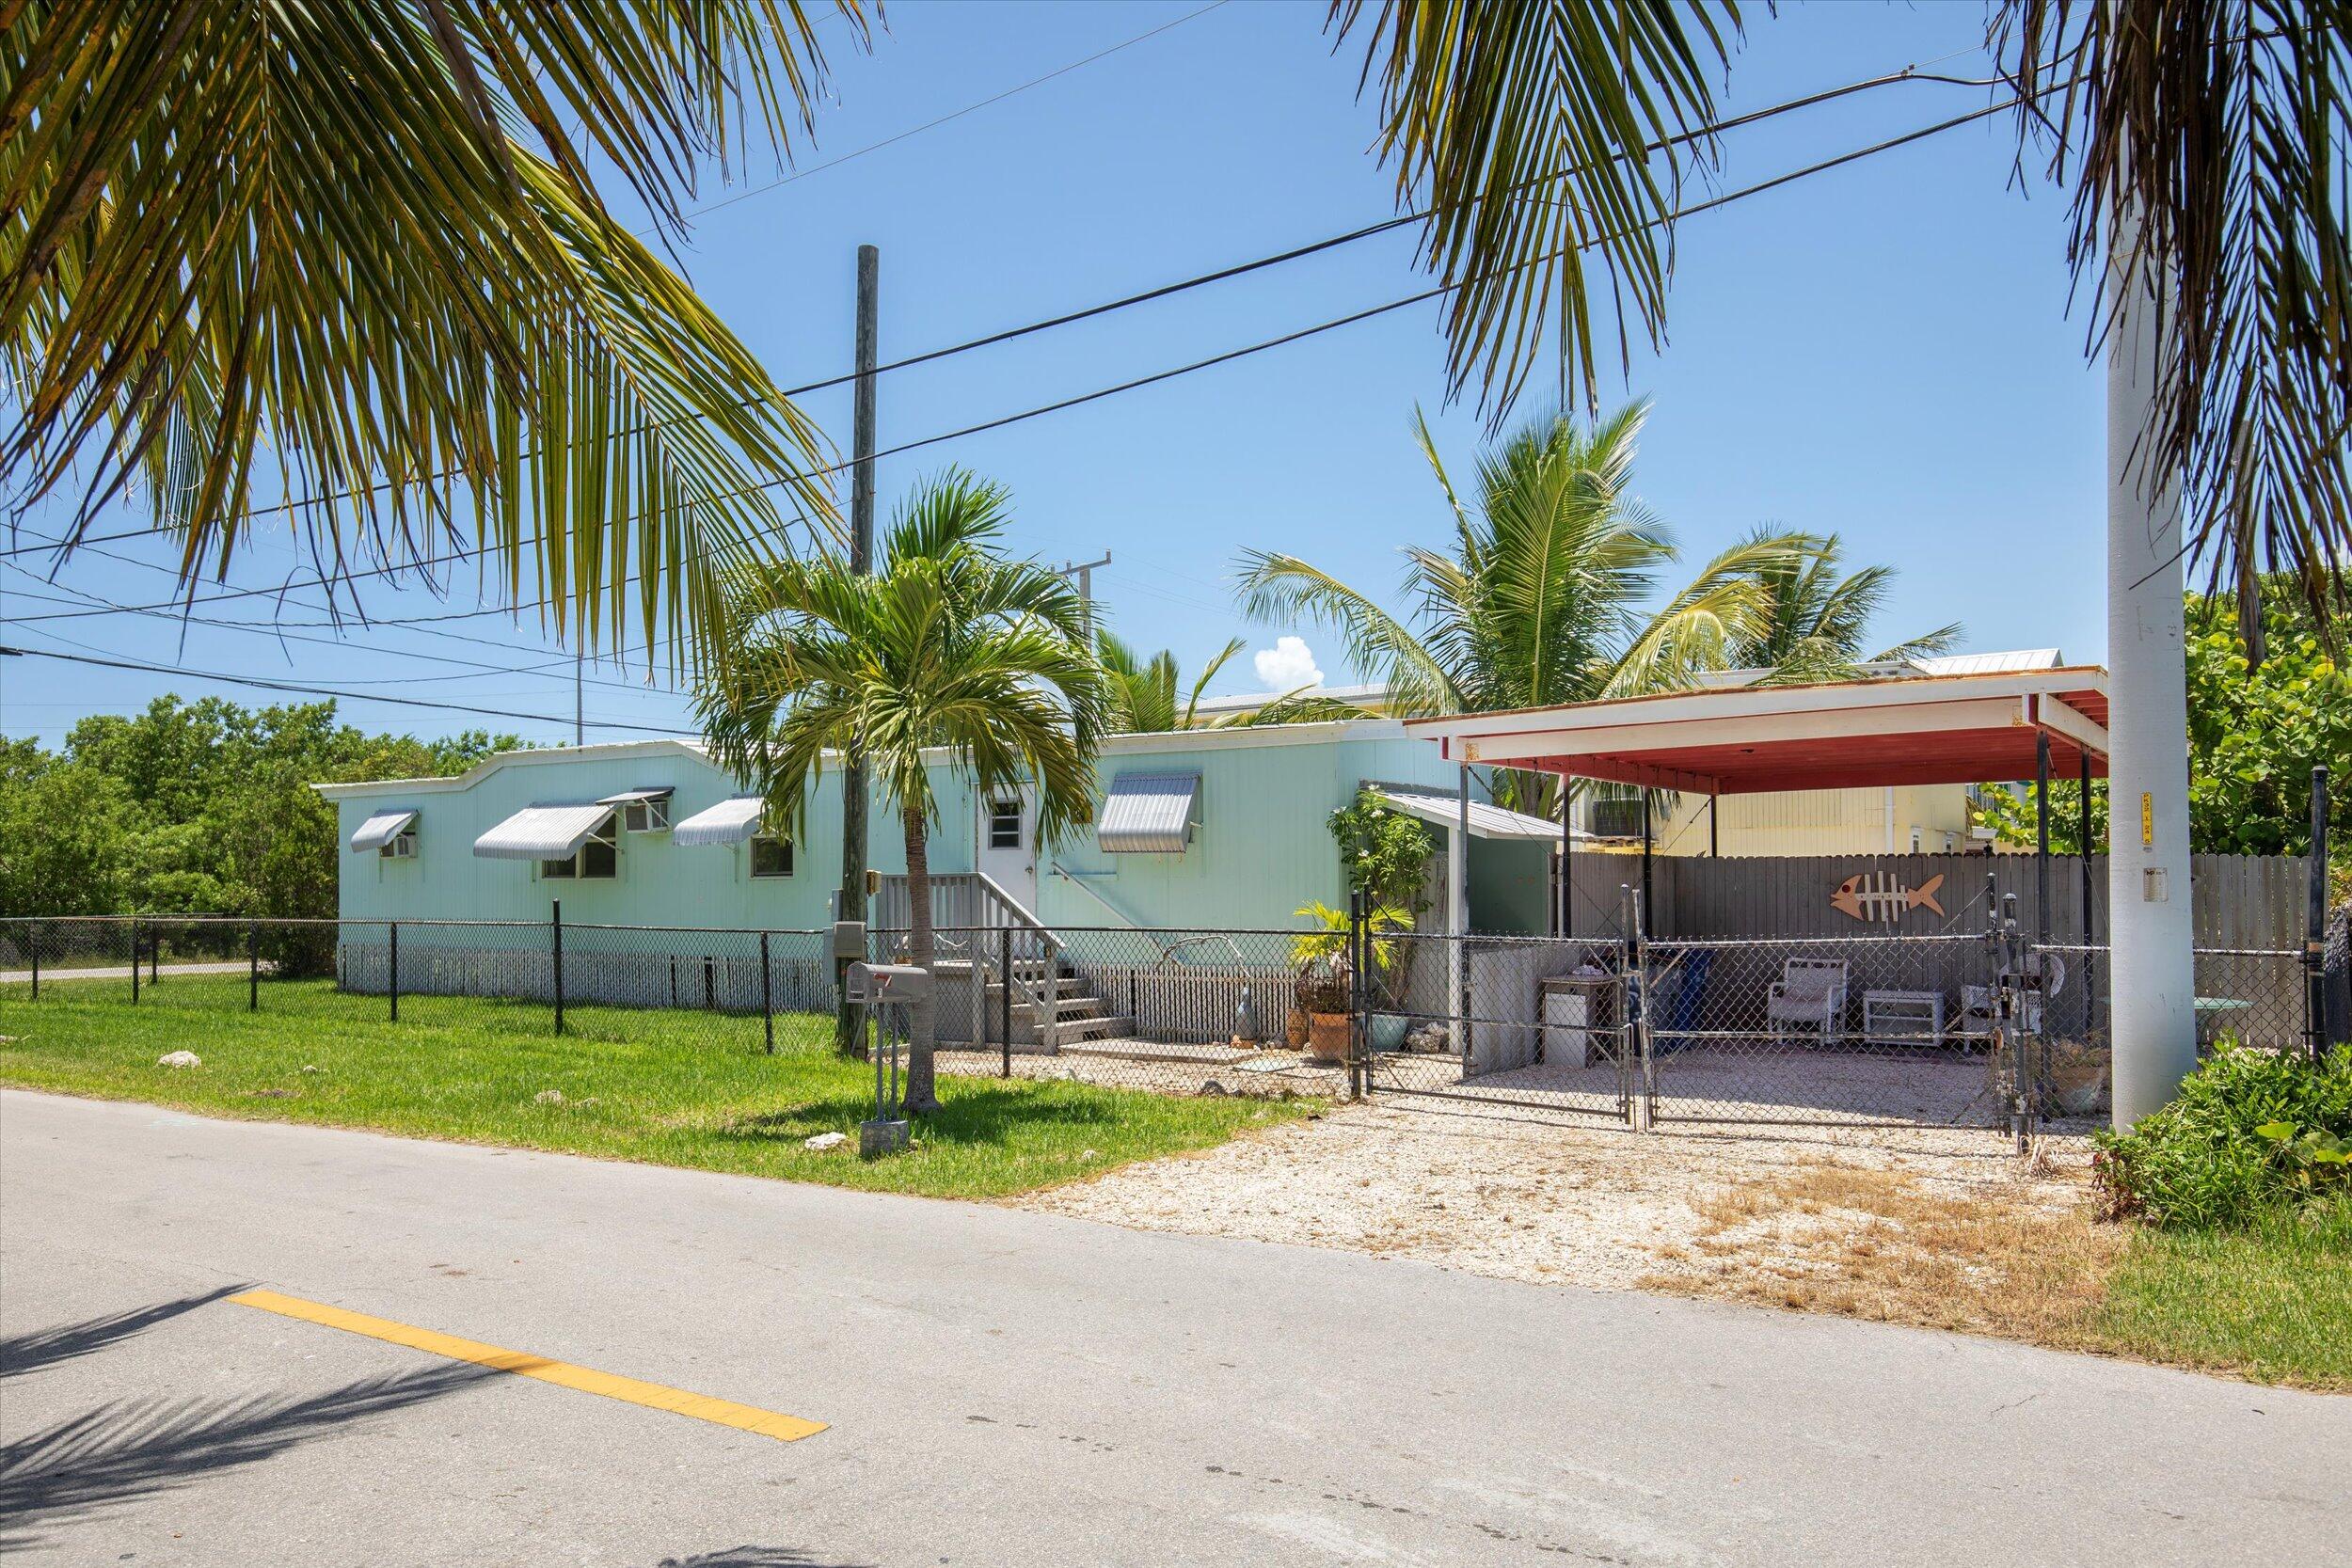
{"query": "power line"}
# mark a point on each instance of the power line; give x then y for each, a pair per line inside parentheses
(1228, 356)
(327, 691)
(749, 192)
(282, 630)
(1913, 74)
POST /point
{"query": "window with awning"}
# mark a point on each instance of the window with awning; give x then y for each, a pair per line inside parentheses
(733, 820)
(391, 834)
(1149, 814)
(643, 811)
(549, 833)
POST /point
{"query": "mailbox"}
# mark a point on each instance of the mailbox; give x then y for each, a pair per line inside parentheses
(879, 985)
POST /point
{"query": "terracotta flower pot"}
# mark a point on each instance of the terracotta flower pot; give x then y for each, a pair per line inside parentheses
(1294, 1031)
(1328, 1036)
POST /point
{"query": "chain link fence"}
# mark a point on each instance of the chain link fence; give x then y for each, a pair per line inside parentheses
(1932, 1029)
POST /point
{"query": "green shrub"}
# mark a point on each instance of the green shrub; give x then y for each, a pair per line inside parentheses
(2251, 1132)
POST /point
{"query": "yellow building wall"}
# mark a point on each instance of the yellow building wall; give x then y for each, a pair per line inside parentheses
(1933, 817)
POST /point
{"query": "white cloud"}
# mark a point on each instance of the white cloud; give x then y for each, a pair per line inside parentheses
(1286, 666)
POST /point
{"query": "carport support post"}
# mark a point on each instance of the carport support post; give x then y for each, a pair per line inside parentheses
(1457, 915)
(555, 950)
(1567, 848)
(2042, 839)
(1646, 850)
(767, 998)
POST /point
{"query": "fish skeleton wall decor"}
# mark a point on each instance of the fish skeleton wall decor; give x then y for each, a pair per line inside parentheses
(1877, 895)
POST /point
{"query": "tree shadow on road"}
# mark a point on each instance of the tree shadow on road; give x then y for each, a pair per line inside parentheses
(120, 1453)
(45, 1347)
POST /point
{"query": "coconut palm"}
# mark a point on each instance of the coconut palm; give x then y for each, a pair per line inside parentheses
(1143, 691)
(1544, 595)
(948, 645)
(1817, 616)
(362, 237)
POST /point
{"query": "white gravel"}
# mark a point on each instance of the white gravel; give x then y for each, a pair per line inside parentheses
(1522, 1194)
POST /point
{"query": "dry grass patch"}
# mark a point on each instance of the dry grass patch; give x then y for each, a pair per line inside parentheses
(2026, 1263)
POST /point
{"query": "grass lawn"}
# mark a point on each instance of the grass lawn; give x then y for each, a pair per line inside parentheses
(673, 1088)
(2273, 1305)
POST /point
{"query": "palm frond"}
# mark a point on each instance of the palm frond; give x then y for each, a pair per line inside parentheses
(1525, 131)
(2205, 142)
(343, 260)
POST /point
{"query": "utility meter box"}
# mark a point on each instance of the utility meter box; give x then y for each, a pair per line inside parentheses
(878, 985)
(848, 940)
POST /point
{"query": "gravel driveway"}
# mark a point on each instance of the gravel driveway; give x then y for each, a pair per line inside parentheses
(1520, 1194)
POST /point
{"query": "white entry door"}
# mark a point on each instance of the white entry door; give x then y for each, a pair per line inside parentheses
(1008, 842)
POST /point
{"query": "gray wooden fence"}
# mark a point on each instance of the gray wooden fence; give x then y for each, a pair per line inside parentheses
(2240, 901)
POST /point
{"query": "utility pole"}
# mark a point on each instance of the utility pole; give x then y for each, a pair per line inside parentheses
(849, 1028)
(2151, 966)
(1083, 572)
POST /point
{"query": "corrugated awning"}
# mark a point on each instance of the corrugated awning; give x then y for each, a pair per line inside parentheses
(382, 828)
(543, 833)
(731, 821)
(630, 797)
(1148, 813)
(1443, 809)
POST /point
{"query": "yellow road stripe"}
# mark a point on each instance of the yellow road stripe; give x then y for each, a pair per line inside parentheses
(725, 1413)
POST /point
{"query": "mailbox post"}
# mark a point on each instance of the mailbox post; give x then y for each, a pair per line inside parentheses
(886, 993)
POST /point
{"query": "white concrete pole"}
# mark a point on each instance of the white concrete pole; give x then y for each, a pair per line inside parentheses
(2153, 970)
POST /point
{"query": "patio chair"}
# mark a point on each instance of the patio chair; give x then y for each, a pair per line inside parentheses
(1810, 993)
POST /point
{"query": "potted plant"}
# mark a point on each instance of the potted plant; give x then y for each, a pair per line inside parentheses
(1322, 998)
(2076, 1073)
(1323, 995)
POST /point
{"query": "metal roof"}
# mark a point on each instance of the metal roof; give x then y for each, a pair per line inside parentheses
(382, 828)
(1148, 813)
(543, 833)
(1836, 734)
(731, 821)
(1443, 808)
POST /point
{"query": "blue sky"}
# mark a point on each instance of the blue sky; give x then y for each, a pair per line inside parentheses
(1884, 351)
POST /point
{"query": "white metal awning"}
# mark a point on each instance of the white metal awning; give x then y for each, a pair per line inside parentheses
(1442, 808)
(544, 832)
(1148, 813)
(630, 797)
(731, 821)
(382, 828)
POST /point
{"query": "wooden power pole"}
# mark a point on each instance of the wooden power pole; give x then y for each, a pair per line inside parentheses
(848, 1019)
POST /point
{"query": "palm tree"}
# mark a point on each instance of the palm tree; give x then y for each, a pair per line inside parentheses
(363, 237)
(1542, 597)
(1143, 691)
(948, 645)
(1815, 617)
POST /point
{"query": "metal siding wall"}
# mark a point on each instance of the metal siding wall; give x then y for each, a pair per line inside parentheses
(660, 884)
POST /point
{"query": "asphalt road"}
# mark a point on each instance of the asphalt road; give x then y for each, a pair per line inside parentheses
(1000, 1388)
(51, 976)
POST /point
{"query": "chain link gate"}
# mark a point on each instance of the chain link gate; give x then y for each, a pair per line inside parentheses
(1531, 1023)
